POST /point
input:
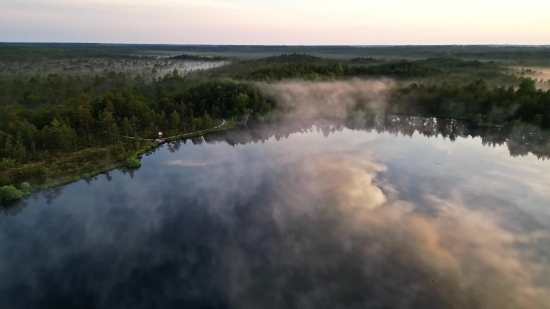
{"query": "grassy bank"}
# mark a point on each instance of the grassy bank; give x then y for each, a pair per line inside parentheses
(70, 167)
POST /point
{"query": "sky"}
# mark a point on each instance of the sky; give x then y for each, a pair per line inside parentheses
(277, 22)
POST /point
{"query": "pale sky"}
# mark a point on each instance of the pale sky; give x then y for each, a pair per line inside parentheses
(277, 22)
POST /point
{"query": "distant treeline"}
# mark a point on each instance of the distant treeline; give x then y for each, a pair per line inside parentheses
(475, 52)
(28, 52)
(365, 60)
(436, 62)
(309, 67)
(199, 58)
(404, 69)
(291, 58)
(21, 51)
(455, 63)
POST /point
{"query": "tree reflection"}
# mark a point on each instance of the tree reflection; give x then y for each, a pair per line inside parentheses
(13, 208)
(175, 146)
(519, 143)
(130, 171)
(52, 193)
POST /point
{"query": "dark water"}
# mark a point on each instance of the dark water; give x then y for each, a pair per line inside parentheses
(327, 217)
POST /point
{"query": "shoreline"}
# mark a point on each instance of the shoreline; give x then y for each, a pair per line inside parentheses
(98, 168)
(92, 168)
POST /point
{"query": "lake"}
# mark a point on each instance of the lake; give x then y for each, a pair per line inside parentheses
(394, 212)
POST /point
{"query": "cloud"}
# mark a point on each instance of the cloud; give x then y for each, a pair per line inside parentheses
(332, 211)
(292, 226)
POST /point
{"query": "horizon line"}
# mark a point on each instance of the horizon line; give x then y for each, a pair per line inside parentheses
(282, 45)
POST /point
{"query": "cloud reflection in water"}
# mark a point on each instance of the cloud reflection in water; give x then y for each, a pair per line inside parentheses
(304, 222)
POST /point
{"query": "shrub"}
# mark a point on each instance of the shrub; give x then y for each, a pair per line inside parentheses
(133, 162)
(25, 187)
(50, 171)
(118, 151)
(87, 167)
(9, 193)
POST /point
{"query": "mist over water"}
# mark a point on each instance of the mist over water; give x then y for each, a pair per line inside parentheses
(333, 99)
(400, 212)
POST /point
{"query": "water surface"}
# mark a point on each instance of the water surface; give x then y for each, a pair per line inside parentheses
(399, 213)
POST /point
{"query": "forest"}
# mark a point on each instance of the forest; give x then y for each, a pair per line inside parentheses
(54, 123)
(477, 102)
(398, 69)
(74, 110)
(199, 58)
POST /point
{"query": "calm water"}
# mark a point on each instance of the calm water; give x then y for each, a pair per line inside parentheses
(328, 217)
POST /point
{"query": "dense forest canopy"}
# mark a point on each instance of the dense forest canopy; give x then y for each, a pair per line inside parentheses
(53, 116)
(291, 58)
(399, 69)
(308, 67)
(87, 109)
(477, 102)
(452, 63)
(365, 60)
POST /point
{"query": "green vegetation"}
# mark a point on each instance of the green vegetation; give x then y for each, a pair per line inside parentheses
(365, 60)
(516, 54)
(59, 127)
(9, 193)
(308, 67)
(25, 187)
(453, 63)
(199, 58)
(74, 110)
(399, 69)
(477, 102)
(132, 162)
(291, 58)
